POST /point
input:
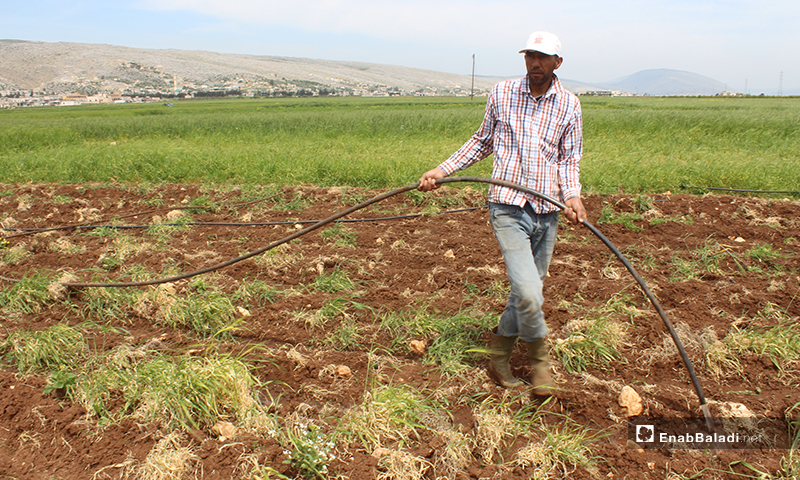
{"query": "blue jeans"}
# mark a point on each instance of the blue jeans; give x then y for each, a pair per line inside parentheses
(527, 240)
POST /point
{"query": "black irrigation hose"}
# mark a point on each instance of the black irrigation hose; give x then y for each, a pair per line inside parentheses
(31, 231)
(332, 218)
(793, 192)
(673, 333)
(297, 234)
(230, 224)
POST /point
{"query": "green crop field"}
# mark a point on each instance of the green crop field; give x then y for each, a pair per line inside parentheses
(632, 144)
(359, 351)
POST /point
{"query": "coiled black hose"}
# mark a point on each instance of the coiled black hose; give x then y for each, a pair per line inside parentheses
(332, 218)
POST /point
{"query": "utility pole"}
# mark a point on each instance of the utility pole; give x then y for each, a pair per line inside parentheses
(472, 88)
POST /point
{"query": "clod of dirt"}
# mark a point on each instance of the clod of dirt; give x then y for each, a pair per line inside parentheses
(58, 291)
(88, 214)
(244, 312)
(380, 451)
(298, 358)
(226, 430)
(417, 347)
(736, 417)
(449, 254)
(630, 401)
(173, 215)
(343, 371)
(631, 445)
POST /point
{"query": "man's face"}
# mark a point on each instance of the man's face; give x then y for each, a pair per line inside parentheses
(540, 67)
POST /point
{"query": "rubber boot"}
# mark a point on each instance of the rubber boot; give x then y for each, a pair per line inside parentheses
(499, 368)
(541, 380)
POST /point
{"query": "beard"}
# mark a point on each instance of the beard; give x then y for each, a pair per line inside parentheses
(540, 78)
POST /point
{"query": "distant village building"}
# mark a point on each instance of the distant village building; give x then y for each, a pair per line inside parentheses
(598, 93)
(73, 99)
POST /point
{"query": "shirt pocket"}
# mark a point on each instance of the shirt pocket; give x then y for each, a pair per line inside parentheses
(550, 140)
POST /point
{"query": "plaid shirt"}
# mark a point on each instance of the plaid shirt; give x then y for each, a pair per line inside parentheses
(536, 143)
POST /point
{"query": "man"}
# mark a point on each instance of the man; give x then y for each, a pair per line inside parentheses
(533, 126)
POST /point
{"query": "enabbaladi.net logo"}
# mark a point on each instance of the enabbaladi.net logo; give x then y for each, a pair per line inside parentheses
(647, 433)
(693, 433)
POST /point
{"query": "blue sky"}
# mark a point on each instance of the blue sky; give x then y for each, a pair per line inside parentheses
(744, 44)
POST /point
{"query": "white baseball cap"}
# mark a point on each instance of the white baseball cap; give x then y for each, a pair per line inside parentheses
(544, 42)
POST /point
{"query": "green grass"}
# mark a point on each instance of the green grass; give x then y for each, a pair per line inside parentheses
(639, 145)
(29, 295)
(339, 235)
(559, 449)
(310, 450)
(609, 215)
(791, 461)
(206, 311)
(685, 219)
(590, 344)
(453, 341)
(108, 303)
(388, 414)
(779, 343)
(192, 392)
(335, 281)
(208, 314)
(351, 142)
(715, 258)
(347, 336)
(11, 254)
(656, 144)
(54, 348)
(258, 292)
(297, 202)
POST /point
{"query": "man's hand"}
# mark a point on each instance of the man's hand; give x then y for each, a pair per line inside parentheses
(575, 211)
(428, 180)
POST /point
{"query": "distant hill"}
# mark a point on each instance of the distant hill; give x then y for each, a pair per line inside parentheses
(63, 68)
(668, 82)
(657, 82)
(66, 67)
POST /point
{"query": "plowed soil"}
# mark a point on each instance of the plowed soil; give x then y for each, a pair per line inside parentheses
(446, 263)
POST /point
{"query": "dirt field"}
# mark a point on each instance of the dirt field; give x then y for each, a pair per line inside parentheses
(445, 263)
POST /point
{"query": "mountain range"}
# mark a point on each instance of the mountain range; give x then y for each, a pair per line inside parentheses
(69, 68)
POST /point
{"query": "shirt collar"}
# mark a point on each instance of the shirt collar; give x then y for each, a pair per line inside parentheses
(555, 87)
